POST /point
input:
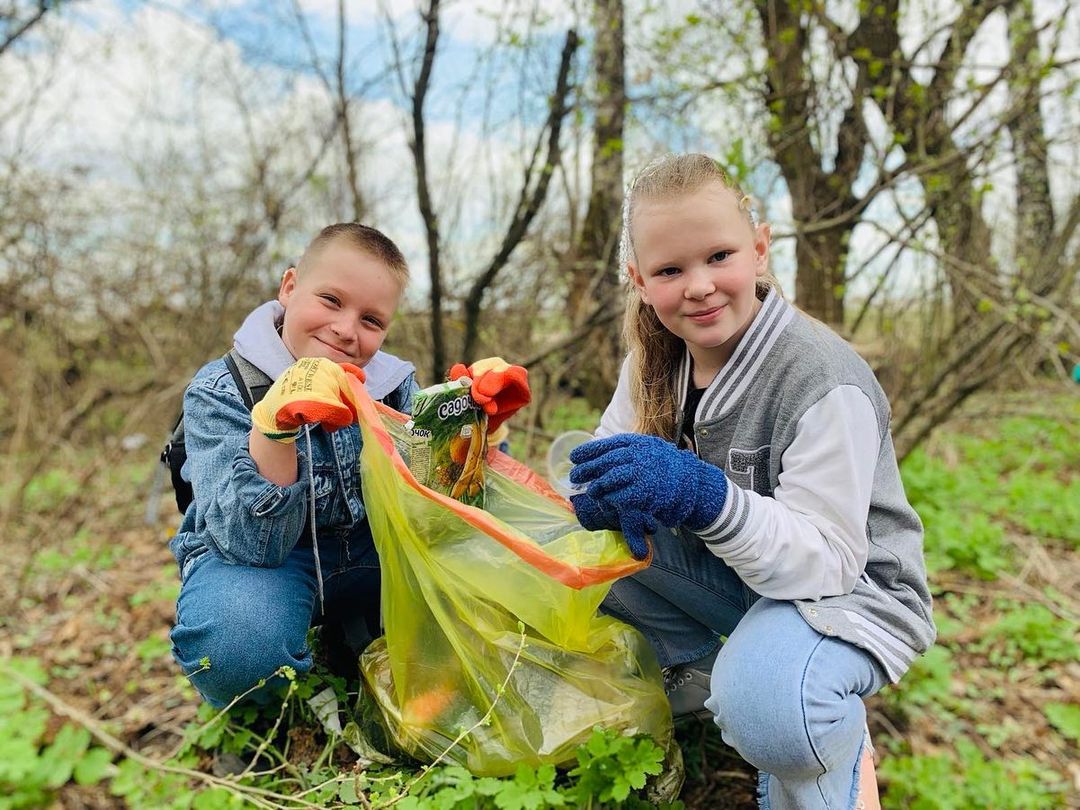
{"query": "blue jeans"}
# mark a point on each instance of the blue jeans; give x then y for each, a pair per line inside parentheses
(787, 698)
(250, 621)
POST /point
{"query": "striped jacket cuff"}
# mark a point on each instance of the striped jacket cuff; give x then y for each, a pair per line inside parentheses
(731, 520)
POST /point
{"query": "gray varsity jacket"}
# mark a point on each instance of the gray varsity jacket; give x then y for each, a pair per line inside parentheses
(816, 512)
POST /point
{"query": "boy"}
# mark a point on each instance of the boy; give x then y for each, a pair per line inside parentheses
(251, 582)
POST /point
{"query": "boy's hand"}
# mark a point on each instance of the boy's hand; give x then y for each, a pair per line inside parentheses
(498, 387)
(313, 389)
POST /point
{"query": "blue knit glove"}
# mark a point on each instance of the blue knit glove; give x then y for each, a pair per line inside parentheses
(595, 515)
(633, 473)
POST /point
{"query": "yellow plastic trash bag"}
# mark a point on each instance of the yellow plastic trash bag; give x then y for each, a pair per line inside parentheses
(494, 652)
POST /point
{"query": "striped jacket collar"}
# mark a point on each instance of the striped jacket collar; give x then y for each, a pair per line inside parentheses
(738, 373)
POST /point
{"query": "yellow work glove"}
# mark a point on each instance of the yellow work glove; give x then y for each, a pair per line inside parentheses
(311, 390)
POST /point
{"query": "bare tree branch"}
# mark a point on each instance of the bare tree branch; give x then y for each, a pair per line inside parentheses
(597, 318)
(418, 147)
(359, 206)
(530, 199)
(20, 29)
(338, 91)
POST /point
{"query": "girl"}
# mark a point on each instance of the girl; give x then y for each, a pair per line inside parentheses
(787, 580)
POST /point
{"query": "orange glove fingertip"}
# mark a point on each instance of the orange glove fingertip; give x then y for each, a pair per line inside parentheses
(329, 416)
(354, 370)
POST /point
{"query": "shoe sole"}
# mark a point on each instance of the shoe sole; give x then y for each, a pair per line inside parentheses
(699, 714)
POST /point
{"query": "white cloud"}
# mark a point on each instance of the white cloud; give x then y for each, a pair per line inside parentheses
(480, 22)
(138, 97)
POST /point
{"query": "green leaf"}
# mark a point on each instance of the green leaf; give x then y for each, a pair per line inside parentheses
(58, 760)
(29, 668)
(1065, 717)
(152, 648)
(93, 766)
(611, 765)
(213, 799)
(347, 792)
(530, 790)
(129, 776)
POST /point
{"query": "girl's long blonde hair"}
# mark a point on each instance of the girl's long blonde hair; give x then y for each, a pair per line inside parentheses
(655, 353)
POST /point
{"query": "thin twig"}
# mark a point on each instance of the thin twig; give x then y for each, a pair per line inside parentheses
(273, 731)
(258, 796)
(225, 710)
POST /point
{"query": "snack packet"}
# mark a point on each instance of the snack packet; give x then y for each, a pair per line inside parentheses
(447, 438)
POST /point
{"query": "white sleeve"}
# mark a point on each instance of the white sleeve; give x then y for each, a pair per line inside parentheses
(809, 539)
(619, 415)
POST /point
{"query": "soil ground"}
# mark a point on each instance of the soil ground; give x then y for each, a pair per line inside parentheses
(94, 603)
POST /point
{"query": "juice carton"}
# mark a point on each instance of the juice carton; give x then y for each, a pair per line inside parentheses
(447, 438)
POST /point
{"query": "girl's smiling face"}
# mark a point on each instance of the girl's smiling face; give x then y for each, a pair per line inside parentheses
(339, 306)
(696, 260)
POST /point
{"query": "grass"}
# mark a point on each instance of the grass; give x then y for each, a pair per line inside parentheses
(967, 727)
(988, 718)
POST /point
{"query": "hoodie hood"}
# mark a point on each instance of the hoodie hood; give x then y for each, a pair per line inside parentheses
(257, 341)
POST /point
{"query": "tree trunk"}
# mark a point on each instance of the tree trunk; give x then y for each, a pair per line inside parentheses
(966, 257)
(1014, 312)
(823, 204)
(1034, 212)
(359, 205)
(594, 275)
(819, 282)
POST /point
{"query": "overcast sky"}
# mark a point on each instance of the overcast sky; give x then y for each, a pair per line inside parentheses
(135, 84)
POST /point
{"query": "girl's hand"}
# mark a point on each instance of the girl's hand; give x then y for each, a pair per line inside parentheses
(595, 515)
(645, 474)
(313, 389)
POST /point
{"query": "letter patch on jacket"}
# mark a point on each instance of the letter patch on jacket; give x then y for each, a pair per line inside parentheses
(749, 469)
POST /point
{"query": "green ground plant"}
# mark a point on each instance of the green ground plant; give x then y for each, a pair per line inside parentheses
(1065, 717)
(1014, 479)
(257, 741)
(979, 493)
(31, 768)
(1029, 633)
(968, 779)
(984, 719)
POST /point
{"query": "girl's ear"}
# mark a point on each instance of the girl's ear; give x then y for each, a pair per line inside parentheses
(762, 238)
(288, 284)
(638, 281)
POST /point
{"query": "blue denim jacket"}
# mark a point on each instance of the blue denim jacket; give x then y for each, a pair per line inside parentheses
(246, 519)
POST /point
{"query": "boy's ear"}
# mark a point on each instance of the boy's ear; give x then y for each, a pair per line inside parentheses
(288, 284)
(762, 239)
(638, 281)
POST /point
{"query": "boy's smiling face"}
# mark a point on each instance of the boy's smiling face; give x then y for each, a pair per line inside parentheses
(339, 305)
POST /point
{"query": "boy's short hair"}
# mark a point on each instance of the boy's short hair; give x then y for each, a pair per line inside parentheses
(362, 237)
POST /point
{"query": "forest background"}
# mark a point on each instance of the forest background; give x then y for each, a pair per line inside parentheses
(162, 163)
